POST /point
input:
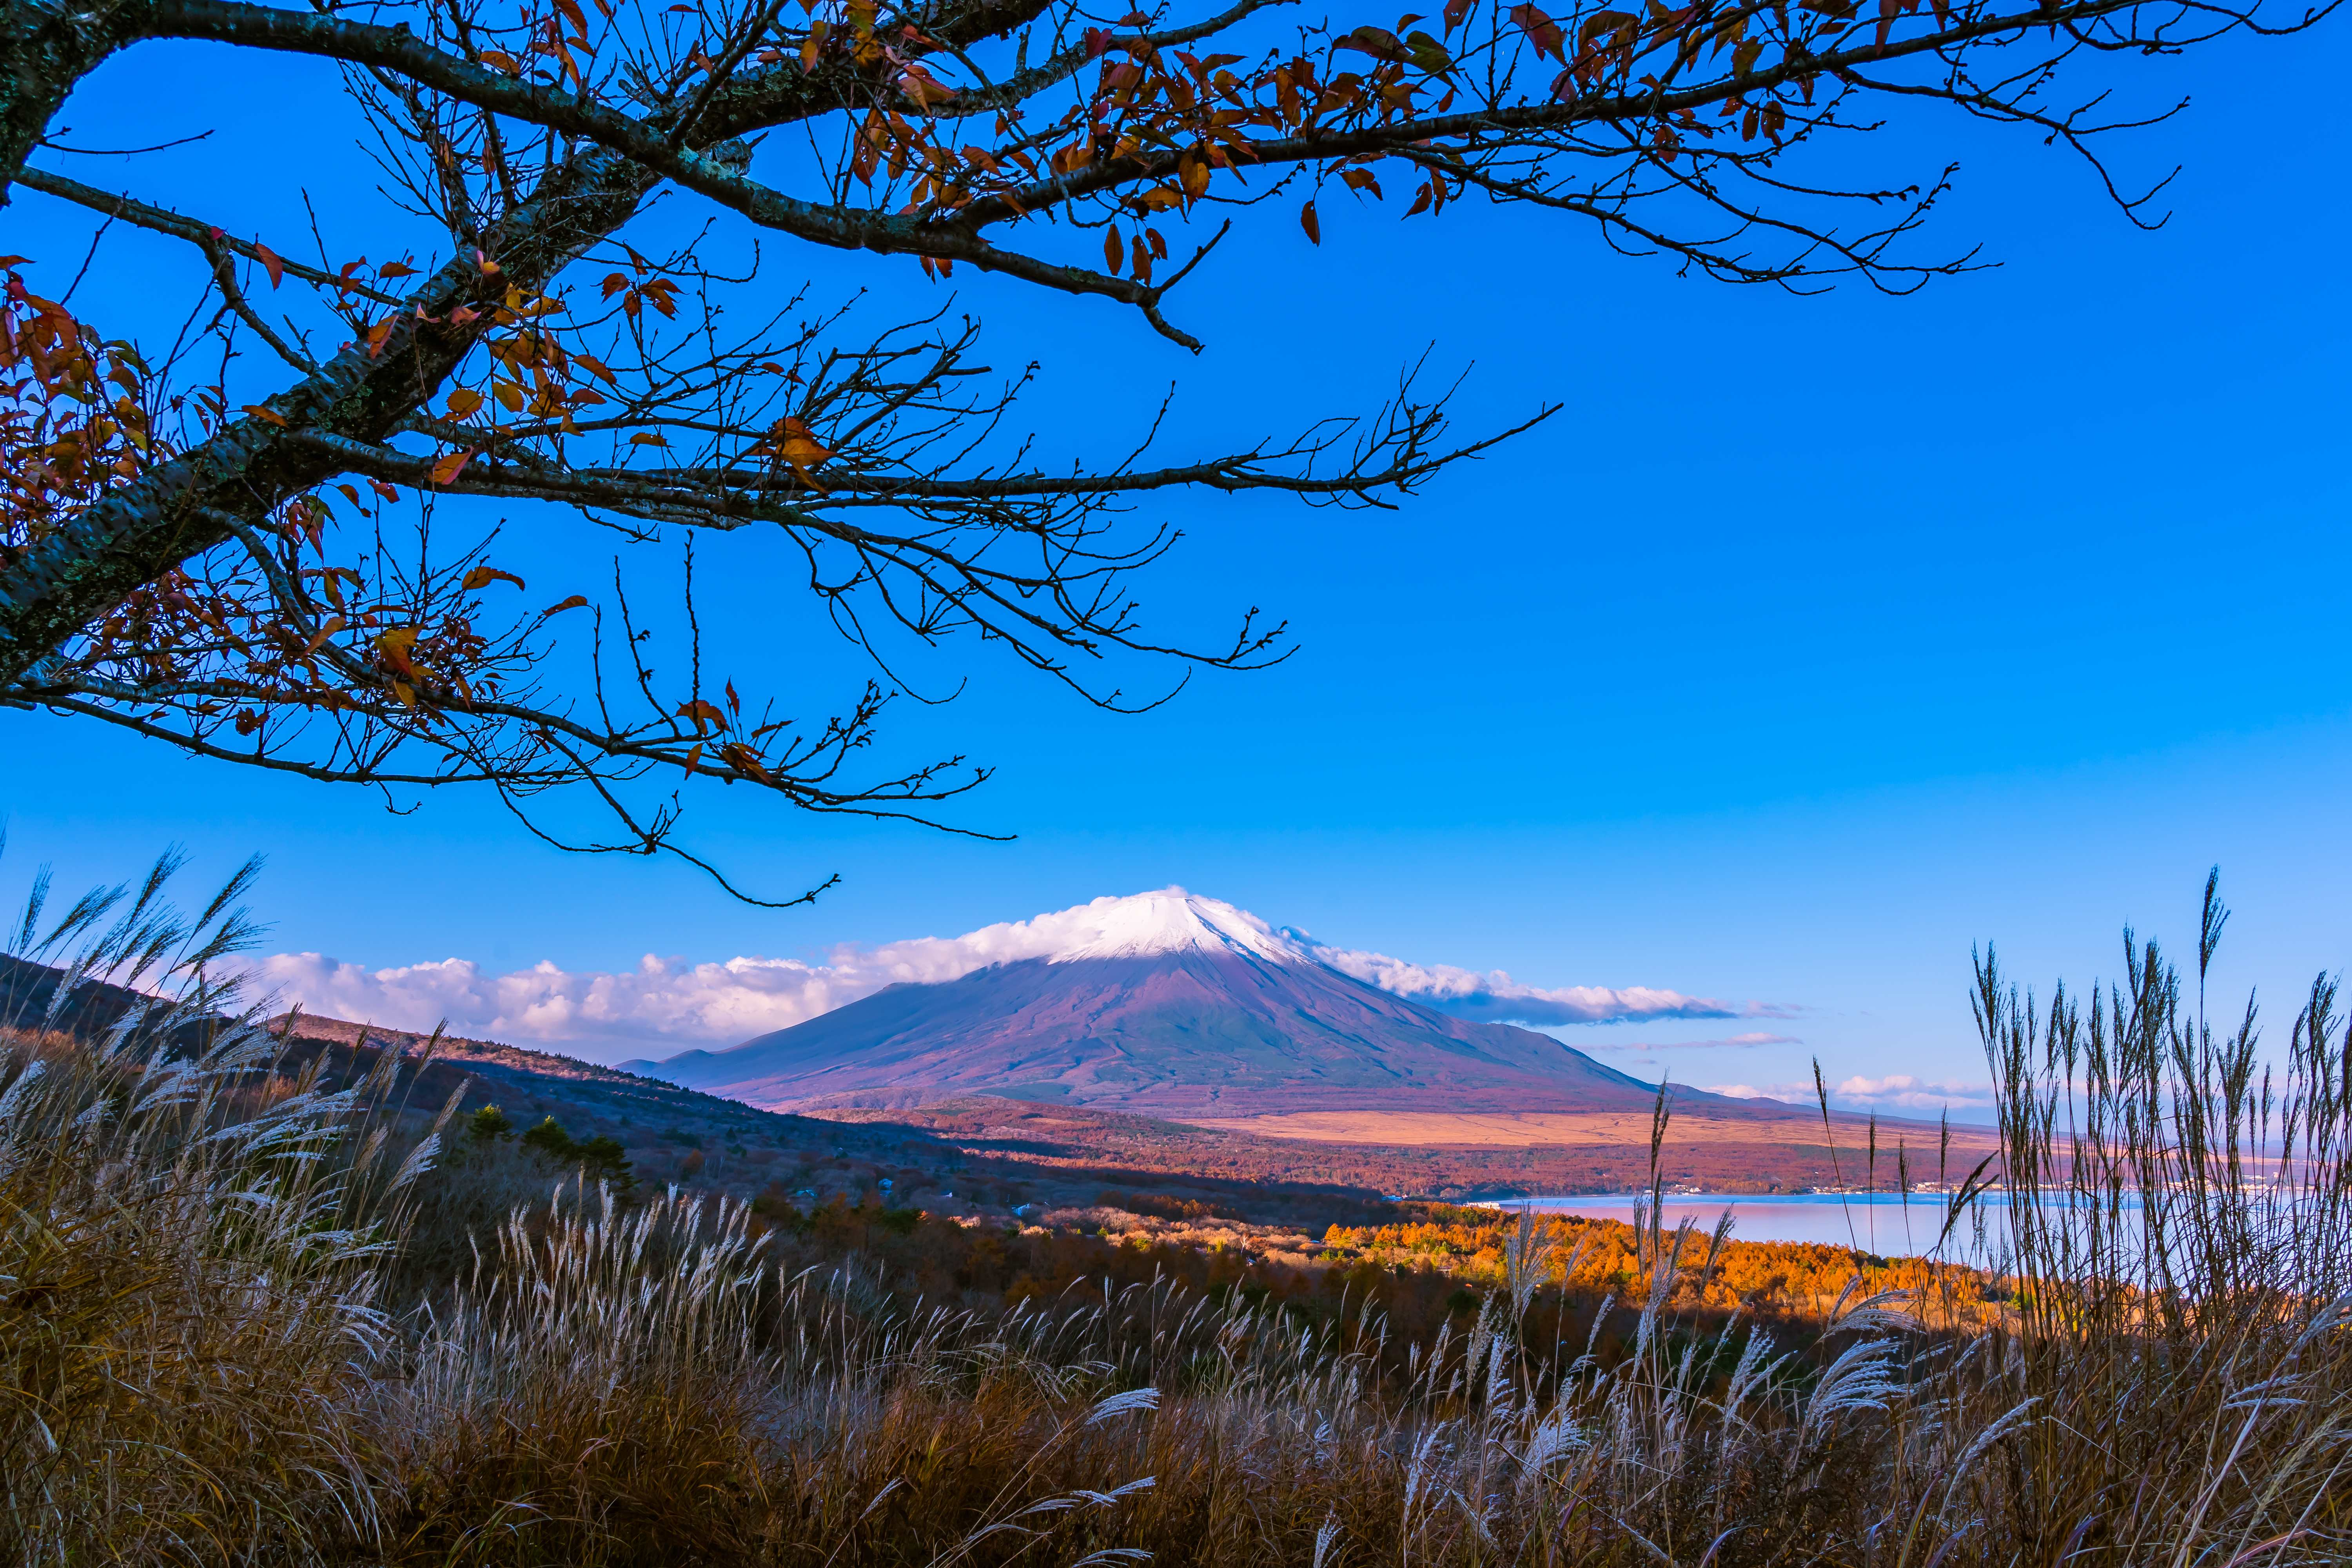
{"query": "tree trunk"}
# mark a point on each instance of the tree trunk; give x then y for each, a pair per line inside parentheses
(136, 533)
(44, 50)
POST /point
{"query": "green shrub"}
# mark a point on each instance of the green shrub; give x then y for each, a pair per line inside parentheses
(602, 1157)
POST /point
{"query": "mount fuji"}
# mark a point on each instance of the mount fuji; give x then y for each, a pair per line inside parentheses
(1176, 1005)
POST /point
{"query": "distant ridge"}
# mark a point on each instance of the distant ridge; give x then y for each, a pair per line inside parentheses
(1174, 1005)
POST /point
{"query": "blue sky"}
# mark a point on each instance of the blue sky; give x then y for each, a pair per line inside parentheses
(1814, 641)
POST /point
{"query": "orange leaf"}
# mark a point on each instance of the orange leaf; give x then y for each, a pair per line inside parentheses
(798, 447)
(333, 624)
(463, 402)
(270, 416)
(1306, 221)
(699, 710)
(1113, 251)
(649, 438)
(269, 259)
(572, 603)
(447, 469)
(483, 576)
(393, 647)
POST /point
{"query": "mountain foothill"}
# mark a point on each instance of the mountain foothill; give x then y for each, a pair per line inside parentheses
(1182, 1008)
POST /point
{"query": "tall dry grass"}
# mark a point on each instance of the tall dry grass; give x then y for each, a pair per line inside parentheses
(190, 1243)
(201, 1363)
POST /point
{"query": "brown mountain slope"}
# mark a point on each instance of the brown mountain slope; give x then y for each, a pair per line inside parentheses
(1191, 1033)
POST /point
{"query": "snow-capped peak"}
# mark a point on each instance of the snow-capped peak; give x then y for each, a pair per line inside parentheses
(1146, 924)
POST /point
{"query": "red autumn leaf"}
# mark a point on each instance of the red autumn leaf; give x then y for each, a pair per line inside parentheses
(1306, 221)
(447, 469)
(1540, 29)
(1602, 22)
(269, 259)
(924, 88)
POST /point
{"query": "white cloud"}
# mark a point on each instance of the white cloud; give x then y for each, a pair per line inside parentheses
(663, 1004)
(1901, 1091)
(666, 1005)
(1494, 996)
(1896, 1092)
(1749, 1041)
(1790, 1092)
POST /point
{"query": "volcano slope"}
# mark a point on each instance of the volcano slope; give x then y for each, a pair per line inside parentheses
(1180, 1006)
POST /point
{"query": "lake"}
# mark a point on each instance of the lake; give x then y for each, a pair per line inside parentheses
(1875, 1222)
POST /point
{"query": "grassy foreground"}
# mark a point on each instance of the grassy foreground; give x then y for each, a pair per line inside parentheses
(215, 1346)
